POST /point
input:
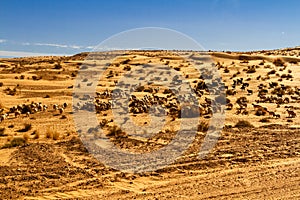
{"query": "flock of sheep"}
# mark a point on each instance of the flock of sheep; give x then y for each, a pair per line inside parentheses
(25, 110)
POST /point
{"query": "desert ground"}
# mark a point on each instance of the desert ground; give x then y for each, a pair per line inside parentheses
(257, 155)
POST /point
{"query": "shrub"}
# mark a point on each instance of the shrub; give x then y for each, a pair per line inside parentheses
(272, 72)
(73, 74)
(264, 120)
(251, 70)
(293, 62)
(127, 68)
(57, 66)
(26, 128)
(18, 141)
(26, 137)
(35, 78)
(115, 131)
(140, 89)
(63, 117)
(55, 135)
(278, 62)
(243, 124)
(2, 130)
(49, 133)
(203, 126)
(125, 61)
(36, 134)
(177, 68)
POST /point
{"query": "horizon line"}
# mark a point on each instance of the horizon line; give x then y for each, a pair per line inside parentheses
(20, 54)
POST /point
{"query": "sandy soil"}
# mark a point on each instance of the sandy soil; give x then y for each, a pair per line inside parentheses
(258, 162)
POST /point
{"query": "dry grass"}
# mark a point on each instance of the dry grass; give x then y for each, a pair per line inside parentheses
(49, 133)
(26, 137)
(52, 133)
(56, 135)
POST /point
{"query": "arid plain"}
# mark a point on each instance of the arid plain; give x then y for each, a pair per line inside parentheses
(257, 155)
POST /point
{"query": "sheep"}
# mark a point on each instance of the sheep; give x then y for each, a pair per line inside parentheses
(17, 114)
(61, 110)
(45, 107)
(55, 107)
(65, 105)
(34, 110)
(250, 92)
(291, 114)
(3, 117)
(229, 106)
(40, 107)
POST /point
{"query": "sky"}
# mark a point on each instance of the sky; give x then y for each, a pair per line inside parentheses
(65, 27)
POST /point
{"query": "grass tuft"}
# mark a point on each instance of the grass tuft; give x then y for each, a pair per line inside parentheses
(51, 133)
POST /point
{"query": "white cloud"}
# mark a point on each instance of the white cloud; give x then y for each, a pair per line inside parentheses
(90, 47)
(26, 54)
(51, 45)
(73, 46)
(63, 46)
(25, 43)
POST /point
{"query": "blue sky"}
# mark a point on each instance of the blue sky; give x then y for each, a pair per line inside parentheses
(72, 26)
